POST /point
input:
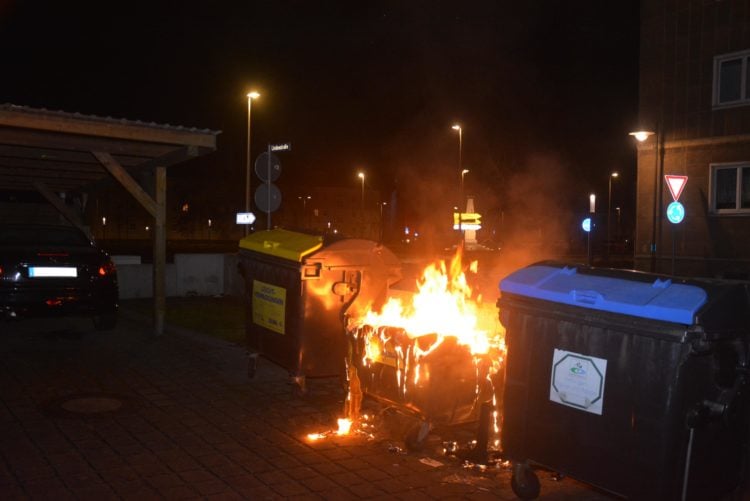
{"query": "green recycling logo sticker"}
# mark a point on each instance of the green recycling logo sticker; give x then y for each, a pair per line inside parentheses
(578, 381)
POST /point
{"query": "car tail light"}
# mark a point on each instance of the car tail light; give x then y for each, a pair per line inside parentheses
(107, 268)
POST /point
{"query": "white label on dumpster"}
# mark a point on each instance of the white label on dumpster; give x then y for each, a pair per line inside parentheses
(269, 306)
(578, 381)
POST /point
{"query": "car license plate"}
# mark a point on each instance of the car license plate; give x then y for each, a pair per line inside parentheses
(52, 271)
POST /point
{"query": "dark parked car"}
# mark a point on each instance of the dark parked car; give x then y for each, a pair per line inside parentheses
(55, 270)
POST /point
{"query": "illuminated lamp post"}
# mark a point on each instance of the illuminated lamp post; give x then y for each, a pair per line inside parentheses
(250, 96)
(304, 206)
(460, 163)
(592, 211)
(382, 223)
(461, 201)
(361, 175)
(613, 175)
(641, 136)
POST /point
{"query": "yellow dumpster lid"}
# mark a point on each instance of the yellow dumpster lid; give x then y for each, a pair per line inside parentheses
(282, 243)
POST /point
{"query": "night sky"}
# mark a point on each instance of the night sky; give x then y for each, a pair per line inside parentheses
(545, 90)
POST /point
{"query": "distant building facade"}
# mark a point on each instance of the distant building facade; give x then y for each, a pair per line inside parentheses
(694, 96)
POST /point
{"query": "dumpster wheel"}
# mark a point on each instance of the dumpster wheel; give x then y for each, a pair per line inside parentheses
(524, 482)
(252, 365)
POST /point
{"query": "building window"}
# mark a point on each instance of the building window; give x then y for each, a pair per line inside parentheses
(732, 79)
(730, 188)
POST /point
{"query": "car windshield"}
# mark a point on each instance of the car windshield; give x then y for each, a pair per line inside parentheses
(47, 235)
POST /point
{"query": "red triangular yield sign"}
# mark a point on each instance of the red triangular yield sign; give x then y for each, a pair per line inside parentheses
(676, 184)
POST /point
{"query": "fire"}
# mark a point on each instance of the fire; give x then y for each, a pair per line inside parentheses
(407, 351)
(443, 306)
(345, 426)
(416, 350)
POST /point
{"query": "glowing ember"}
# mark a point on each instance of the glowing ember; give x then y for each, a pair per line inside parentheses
(345, 426)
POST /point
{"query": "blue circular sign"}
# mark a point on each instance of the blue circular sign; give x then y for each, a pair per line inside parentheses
(675, 212)
(586, 224)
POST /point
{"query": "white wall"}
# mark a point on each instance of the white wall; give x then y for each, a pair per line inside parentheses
(190, 274)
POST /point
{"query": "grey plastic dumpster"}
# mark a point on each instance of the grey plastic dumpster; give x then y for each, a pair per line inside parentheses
(631, 382)
(298, 289)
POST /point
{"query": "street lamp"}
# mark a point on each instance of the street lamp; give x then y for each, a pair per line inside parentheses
(641, 136)
(304, 205)
(382, 223)
(461, 203)
(613, 175)
(463, 173)
(304, 202)
(250, 96)
(617, 211)
(460, 141)
(592, 211)
(361, 175)
(460, 159)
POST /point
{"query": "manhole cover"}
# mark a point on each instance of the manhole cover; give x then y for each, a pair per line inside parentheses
(86, 405)
(92, 405)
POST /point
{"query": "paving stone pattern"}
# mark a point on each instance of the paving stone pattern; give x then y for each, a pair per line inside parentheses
(126, 415)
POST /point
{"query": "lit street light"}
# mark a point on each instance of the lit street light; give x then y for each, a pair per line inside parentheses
(304, 205)
(382, 225)
(461, 202)
(460, 144)
(250, 96)
(609, 210)
(361, 175)
(592, 210)
(304, 201)
(641, 136)
(460, 162)
(463, 173)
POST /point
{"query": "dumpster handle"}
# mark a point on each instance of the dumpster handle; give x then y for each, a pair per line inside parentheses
(586, 296)
(687, 465)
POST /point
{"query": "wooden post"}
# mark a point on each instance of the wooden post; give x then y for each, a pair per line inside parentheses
(160, 250)
(157, 208)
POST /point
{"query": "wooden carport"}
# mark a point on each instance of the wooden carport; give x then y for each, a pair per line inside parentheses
(57, 152)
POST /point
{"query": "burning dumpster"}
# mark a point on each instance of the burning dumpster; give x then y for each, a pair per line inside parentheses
(435, 354)
(628, 381)
(298, 289)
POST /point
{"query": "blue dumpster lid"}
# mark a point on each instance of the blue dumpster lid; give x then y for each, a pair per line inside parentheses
(657, 299)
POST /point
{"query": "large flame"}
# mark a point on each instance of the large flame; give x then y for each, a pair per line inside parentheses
(443, 306)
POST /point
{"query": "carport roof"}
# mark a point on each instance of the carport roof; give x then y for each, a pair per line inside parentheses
(56, 148)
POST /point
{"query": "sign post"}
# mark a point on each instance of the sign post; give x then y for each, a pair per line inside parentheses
(675, 210)
(268, 169)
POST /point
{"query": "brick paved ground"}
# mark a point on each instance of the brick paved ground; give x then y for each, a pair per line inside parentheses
(124, 415)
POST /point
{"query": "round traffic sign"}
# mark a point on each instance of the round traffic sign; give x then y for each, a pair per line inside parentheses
(675, 212)
(586, 224)
(268, 197)
(265, 170)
